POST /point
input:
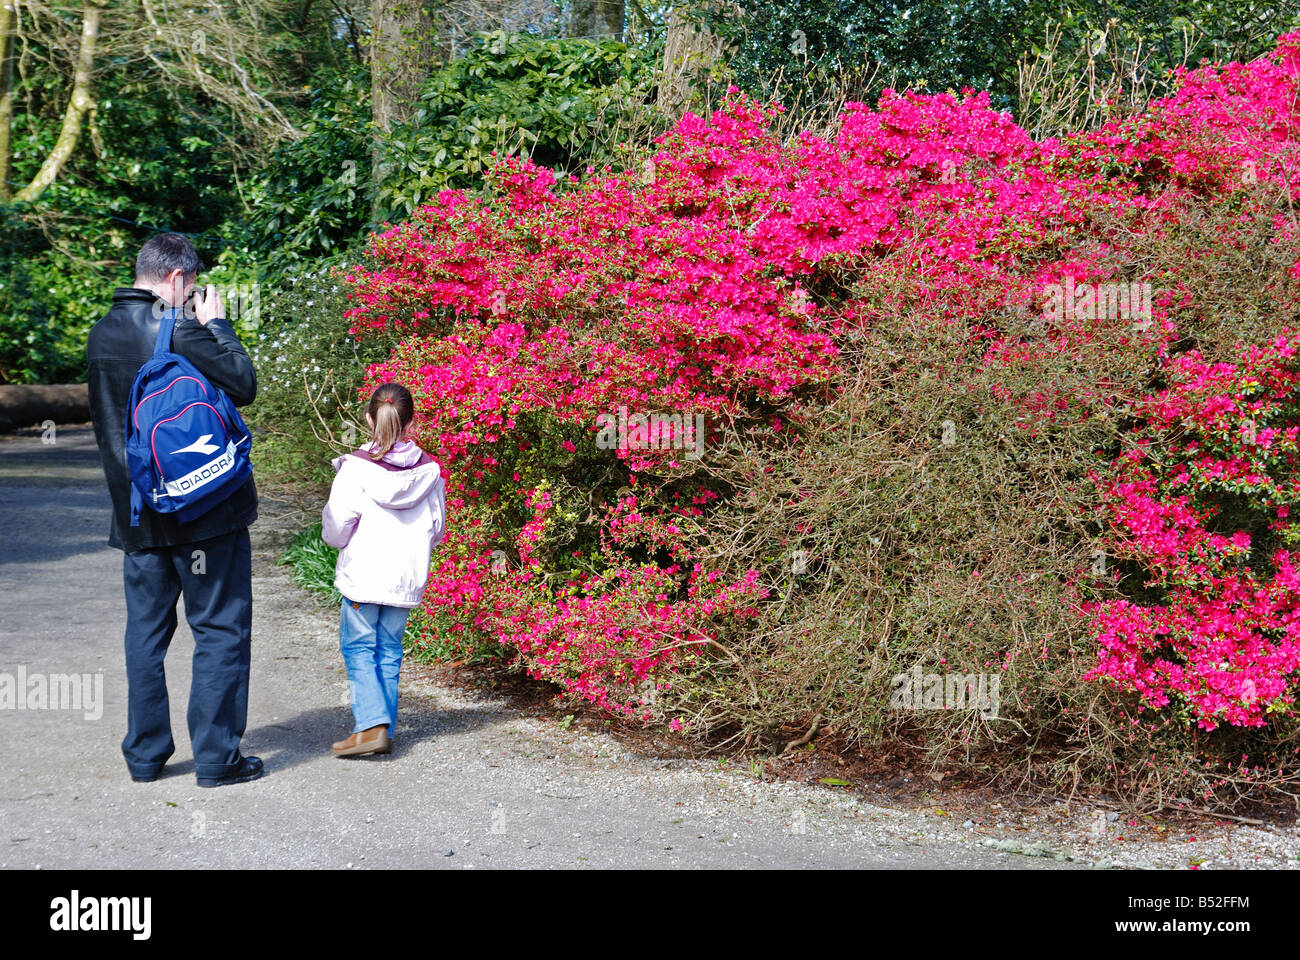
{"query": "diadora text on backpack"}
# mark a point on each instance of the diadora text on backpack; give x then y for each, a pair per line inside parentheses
(187, 448)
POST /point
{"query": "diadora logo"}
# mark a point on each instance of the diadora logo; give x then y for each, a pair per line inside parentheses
(200, 445)
(204, 474)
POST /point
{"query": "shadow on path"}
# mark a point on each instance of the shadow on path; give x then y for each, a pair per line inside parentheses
(289, 742)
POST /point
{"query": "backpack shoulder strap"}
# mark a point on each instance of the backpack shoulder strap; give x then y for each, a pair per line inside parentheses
(166, 327)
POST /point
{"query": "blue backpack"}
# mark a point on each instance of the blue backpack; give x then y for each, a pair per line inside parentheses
(186, 445)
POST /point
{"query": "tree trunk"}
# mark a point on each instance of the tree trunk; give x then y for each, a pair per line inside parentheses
(402, 55)
(79, 104)
(596, 18)
(690, 47)
(8, 18)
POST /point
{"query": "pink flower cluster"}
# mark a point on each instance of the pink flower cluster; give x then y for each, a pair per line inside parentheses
(1202, 504)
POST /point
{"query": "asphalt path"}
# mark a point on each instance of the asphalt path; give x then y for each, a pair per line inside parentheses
(472, 782)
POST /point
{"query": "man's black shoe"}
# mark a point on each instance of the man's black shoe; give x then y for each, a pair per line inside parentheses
(145, 779)
(250, 768)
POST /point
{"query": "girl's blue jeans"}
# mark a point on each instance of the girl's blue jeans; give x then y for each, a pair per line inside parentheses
(370, 638)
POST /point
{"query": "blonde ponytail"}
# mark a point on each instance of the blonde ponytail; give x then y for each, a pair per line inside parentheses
(391, 409)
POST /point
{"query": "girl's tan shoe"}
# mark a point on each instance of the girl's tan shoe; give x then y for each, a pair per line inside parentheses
(373, 740)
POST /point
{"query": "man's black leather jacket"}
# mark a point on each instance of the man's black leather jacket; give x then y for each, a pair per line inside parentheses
(117, 347)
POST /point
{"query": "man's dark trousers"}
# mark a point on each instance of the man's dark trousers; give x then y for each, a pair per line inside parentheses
(216, 578)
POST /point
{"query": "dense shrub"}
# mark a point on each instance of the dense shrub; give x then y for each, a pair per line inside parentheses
(144, 163)
(917, 346)
(803, 50)
(307, 366)
(48, 303)
(563, 102)
(312, 199)
(1202, 502)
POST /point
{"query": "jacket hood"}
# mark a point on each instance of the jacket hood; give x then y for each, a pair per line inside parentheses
(395, 489)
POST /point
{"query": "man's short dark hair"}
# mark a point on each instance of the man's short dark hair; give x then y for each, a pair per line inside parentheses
(164, 253)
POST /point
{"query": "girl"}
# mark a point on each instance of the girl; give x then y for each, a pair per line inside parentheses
(385, 514)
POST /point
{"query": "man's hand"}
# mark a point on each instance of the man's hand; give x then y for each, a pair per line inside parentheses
(207, 304)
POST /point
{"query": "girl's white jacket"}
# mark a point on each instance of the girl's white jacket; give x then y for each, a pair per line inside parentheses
(385, 517)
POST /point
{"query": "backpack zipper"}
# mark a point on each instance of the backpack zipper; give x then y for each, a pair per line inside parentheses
(135, 415)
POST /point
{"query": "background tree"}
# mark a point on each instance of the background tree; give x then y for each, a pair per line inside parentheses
(402, 53)
(595, 18)
(79, 102)
(8, 18)
(278, 132)
(693, 50)
(814, 51)
(116, 130)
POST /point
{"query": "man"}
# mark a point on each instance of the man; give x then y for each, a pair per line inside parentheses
(208, 559)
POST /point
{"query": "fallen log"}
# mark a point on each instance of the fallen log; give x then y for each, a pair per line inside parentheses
(25, 405)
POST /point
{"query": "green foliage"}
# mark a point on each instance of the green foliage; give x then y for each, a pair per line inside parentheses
(312, 200)
(1171, 31)
(553, 99)
(313, 561)
(308, 372)
(812, 50)
(48, 302)
(807, 49)
(546, 98)
(145, 164)
(235, 275)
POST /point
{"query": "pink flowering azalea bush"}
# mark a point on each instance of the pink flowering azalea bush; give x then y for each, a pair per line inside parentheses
(1201, 504)
(737, 433)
